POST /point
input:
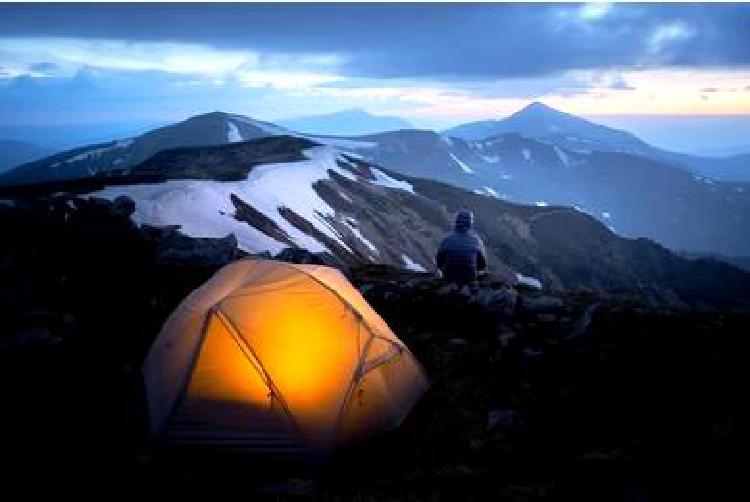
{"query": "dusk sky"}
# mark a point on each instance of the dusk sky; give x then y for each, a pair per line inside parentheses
(434, 64)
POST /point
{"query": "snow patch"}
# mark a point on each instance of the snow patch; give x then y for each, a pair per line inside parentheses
(606, 214)
(233, 134)
(526, 154)
(411, 264)
(491, 191)
(561, 155)
(461, 164)
(203, 208)
(491, 159)
(97, 152)
(353, 227)
(541, 203)
(531, 282)
(384, 180)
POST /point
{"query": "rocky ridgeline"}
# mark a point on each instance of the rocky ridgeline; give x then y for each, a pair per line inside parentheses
(535, 394)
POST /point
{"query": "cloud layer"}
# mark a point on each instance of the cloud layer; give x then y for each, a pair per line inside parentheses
(440, 62)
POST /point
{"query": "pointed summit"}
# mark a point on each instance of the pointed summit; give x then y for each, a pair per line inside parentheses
(538, 110)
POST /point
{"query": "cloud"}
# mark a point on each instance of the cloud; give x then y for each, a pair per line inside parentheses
(429, 41)
(594, 10)
(432, 60)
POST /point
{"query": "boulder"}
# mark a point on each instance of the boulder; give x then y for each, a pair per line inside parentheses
(174, 248)
(542, 304)
(501, 418)
(123, 205)
(303, 256)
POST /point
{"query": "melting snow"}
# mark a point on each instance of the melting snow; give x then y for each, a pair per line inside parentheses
(531, 282)
(233, 134)
(352, 224)
(384, 180)
(707, 181)
(561, 155)
(124, 143)
(461, 164)
(203, 208)
(97, 152)
(411, 264)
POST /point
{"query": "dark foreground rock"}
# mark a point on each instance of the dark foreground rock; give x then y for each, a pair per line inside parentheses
(535, 395)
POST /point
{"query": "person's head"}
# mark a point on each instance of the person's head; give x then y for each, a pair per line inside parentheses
(464, 220)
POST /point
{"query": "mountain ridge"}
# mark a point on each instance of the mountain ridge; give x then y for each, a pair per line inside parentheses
(539, 121)
(351, 208)
(350, 122)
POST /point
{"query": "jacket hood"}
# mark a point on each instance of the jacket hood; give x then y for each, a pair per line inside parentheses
(464, 221)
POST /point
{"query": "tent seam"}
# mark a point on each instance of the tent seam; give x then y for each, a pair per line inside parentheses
(189, 372)
(267, 377)
(343, 300)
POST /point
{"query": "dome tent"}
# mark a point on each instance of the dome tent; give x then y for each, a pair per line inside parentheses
(276, 357)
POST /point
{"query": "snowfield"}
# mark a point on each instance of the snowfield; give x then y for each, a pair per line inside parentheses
(411, 264)
(203, 208)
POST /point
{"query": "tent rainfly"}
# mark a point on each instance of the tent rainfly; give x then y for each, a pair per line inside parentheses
(277, 358)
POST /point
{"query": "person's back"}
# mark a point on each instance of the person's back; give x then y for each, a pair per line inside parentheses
(461, 255)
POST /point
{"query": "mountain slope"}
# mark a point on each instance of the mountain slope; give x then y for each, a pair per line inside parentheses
(280, 192)
(208, 129)
(345, 123)
(567, 131)
(633, 194)
(14, 153)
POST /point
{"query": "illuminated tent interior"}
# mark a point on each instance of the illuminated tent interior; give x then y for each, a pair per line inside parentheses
(277, 358)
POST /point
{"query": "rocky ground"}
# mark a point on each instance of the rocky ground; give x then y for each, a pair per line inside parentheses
(535, 395)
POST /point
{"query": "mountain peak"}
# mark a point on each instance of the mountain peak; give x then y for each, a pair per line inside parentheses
(537, 108)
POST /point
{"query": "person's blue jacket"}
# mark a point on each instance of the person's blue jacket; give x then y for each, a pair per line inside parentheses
(461, 254)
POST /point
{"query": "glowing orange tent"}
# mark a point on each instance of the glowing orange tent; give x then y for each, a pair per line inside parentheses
(276, 357)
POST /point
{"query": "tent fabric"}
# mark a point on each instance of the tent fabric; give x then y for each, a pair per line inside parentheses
(271, 356)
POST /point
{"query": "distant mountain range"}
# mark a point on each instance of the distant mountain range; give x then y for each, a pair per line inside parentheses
(284, 191)
(14, 153)
(345, 123)
(548, 159)
(541, 122)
